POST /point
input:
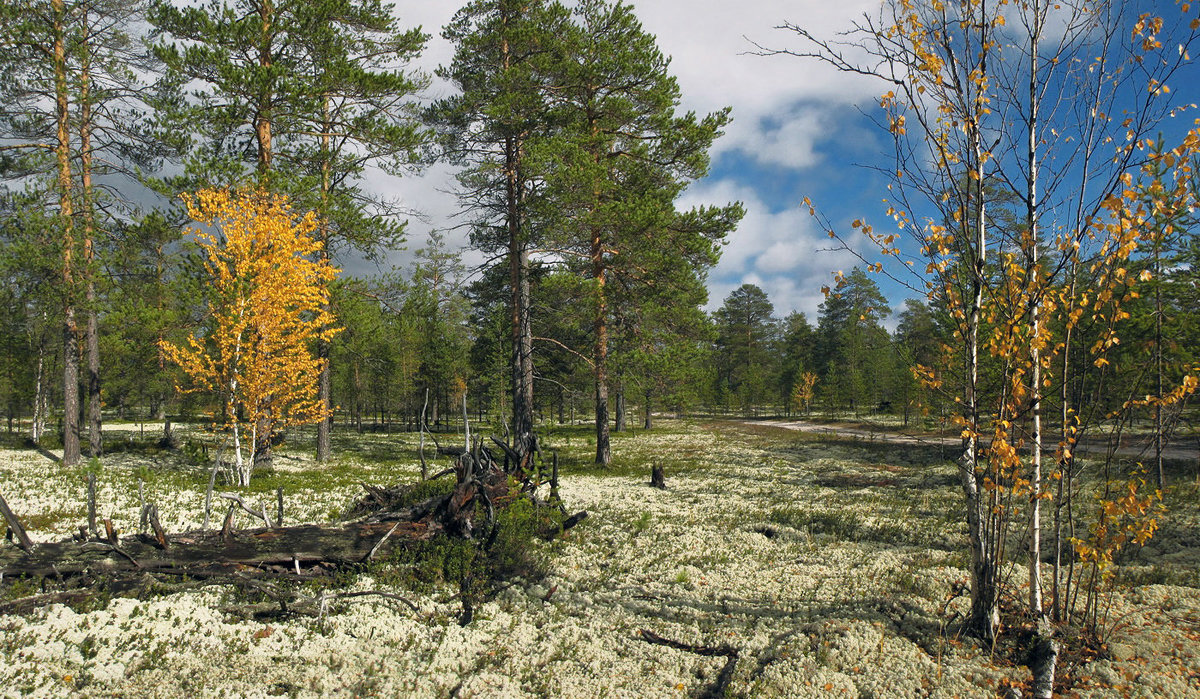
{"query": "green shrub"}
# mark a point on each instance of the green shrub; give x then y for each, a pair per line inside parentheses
(497, 553)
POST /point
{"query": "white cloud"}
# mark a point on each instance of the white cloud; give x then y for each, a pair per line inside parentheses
(712, 45)
(790, 142)
(783, 252)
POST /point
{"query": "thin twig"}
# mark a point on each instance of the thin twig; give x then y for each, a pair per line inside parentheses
(242, 503)
(113, 549)
(379, 543)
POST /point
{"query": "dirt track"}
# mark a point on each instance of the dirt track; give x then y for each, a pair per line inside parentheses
(1180, 450)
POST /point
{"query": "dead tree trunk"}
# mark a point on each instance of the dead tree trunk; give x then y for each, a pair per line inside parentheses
(381, 523)
(657, 478)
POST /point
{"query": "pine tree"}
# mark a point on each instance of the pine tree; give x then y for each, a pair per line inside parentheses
(747, 332)
(852, 346)
(623, 156)
(504, 50)
(40, 40)
(796, 346)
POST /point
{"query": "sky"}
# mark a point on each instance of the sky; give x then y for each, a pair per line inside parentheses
(800, 129)
(796, 132)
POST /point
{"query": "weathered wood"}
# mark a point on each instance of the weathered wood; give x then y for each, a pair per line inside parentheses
(25, 605)
(375, 548)
(160, 536)
(227, 526)
(250, 511)
(91, 504)
(651, 637)
(555, 498)
(574, 519)
(731, 654)
(201, 553)
(387, 521)
(657, 478)
(279, 508)
(14, 525)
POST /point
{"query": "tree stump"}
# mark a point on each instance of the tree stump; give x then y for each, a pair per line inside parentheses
(657, 478)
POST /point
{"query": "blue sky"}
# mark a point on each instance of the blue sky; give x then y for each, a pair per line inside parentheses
(799, 129)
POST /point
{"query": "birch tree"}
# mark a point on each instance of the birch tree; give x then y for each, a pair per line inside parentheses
(301, 97)
(1055, 102)
(269, 304)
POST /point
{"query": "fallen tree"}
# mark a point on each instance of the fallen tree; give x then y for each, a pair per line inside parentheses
(381, 522)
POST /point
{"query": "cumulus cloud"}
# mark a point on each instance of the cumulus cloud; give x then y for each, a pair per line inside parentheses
(713, 45)
(789, 143)
(781, 251)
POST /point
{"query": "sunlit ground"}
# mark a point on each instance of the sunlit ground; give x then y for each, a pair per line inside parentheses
(830, 567)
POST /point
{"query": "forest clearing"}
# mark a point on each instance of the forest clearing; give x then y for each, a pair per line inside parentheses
(580, 348)
(787, 564)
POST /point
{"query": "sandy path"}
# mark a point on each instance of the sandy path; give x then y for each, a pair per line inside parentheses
(1179, 451)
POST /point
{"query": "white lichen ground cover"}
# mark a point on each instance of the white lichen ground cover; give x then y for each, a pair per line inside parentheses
(829, 568)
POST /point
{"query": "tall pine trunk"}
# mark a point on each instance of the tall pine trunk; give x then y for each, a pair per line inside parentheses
(262, 119)
(92, 332)
(620, 407)
(66, 214)
(600, 352)
(325, 379)
(264, 428)
(518, 264)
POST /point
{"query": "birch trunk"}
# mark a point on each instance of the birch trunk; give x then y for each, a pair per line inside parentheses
(39, 396)
(984, 616)
(1034, 280)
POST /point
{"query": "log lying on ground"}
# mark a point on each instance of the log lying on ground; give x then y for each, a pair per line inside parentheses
(383, 523)
(207, 554)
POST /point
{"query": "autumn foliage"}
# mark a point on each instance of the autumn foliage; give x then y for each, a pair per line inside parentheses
(267, 308)
(1032, 260)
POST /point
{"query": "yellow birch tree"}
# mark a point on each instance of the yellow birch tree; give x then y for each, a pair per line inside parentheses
(268, 308)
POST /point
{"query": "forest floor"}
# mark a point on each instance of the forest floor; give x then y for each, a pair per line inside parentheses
(815, 565)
